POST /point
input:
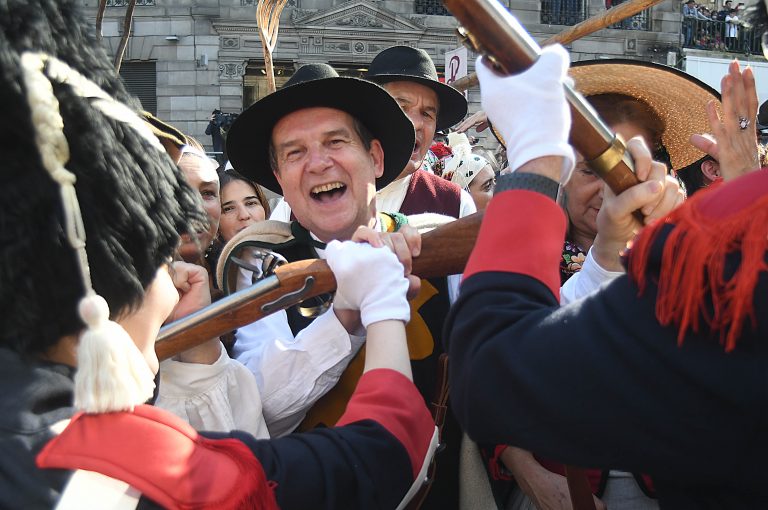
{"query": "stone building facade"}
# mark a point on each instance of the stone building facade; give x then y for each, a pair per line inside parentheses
(186, 58)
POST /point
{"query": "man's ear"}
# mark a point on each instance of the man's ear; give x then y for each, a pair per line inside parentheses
(277, 176)
(377, 154)
(711, 170)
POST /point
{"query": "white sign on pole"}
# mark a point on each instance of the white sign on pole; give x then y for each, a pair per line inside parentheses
(455, 65)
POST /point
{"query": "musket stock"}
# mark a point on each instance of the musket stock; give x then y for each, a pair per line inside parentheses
(490, 29)
(291, 284)
(444, 251)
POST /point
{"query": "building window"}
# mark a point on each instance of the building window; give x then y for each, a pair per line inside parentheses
(124, 3)
(434, 7)
(563, 12)
(640, 21)
(140, 78)
(255, 84)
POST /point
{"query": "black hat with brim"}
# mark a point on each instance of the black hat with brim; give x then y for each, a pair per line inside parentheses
(318, 85)
(403, 63)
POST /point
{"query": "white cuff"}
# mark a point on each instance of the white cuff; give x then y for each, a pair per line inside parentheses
(586, 281)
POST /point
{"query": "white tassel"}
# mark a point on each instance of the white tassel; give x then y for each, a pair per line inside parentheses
(112, 375)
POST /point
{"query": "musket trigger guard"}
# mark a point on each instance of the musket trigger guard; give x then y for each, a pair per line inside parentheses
(291, 298)
(245, 265)
(612, 156)
(269, 259)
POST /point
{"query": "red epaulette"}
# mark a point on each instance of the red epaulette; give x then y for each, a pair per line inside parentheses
(164, 458)
(694, 291)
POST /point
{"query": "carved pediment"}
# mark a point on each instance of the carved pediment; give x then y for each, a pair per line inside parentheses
(355, 14)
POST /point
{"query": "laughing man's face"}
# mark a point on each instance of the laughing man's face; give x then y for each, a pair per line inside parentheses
(327, 175)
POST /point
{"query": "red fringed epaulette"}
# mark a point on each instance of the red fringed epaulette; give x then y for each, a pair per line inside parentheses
(727, 219)
(164, 458)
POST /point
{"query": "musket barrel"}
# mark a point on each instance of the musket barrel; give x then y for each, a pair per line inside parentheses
(496, 33)
(217, 308)
(165, 344)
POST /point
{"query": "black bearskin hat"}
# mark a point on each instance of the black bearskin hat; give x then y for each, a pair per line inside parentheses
(133, 199)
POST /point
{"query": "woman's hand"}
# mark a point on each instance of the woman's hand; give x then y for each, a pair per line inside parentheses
(655, 197)
(547, 490)
(194, 293)
(733, 142)
(478, 120)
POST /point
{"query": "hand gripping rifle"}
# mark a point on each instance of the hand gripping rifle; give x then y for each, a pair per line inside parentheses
(489, 29)
(444, 251)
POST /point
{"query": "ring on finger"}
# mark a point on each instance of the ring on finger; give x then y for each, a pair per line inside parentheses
(743, 122)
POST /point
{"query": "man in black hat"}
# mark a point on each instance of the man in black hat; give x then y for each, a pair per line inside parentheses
(410, 76)
(326, 143)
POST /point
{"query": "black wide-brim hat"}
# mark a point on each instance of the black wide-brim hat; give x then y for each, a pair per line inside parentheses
(679, 99)
(403, 63)
(318, 85)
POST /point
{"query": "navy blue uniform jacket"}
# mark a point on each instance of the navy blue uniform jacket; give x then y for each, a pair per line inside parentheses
(601, 383)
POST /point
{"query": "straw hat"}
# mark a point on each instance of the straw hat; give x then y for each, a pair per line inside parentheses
(678, 98)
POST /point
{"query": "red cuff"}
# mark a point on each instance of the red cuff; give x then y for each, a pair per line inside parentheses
(389, 398)
(164, 458)
(522, 232)
(496, 467)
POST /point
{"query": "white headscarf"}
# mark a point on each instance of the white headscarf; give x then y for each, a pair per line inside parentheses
(463, 166)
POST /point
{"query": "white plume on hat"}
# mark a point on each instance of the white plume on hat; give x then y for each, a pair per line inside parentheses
(463, 166)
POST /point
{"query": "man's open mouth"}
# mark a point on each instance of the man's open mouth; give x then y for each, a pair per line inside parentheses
(326, 192)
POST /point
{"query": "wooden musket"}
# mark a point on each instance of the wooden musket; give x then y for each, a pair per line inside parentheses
(491, 30)
(444, 251)
(589, 26)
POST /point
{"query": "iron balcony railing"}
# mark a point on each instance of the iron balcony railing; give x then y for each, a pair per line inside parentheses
(571, 12)
(563, 12)
(713, 35)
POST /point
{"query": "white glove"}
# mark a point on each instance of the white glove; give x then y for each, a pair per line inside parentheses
(368, 279)
(529, 109)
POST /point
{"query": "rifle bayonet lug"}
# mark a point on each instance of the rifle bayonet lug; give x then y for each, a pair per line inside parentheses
(496, 64)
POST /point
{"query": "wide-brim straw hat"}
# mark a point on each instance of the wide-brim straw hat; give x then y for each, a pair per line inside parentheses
(318, 85)
(403, 63)
(678, 98)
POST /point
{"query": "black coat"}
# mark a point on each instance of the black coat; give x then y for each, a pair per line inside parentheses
(600, 383)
